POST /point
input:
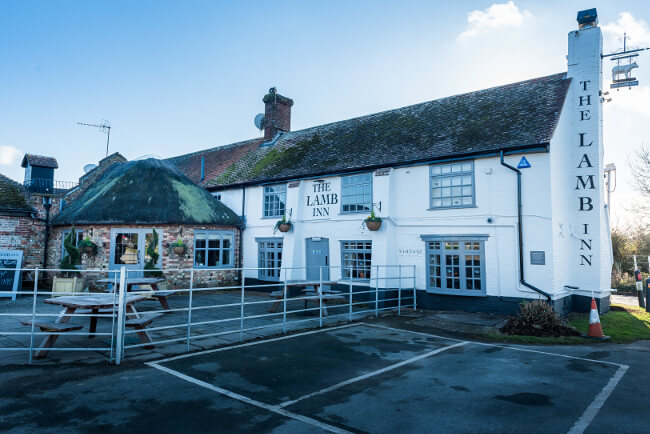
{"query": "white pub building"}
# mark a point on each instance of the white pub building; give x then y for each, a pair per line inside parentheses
(494, 196)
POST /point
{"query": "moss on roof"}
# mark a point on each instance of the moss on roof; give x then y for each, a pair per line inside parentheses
(514, 116)
(13, 196)
(146, 192)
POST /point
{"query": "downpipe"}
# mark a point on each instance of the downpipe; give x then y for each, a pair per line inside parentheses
(520, 231)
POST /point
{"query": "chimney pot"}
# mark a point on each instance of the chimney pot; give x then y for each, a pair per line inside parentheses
(277, 112)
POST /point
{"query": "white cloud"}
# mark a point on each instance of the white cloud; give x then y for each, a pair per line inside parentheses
(9, 156)
(497, 15)
(637, 32)
(634, 100)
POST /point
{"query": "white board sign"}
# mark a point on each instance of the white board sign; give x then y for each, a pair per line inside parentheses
(10, 263)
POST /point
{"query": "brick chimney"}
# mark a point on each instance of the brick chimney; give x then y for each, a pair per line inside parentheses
(277, 113)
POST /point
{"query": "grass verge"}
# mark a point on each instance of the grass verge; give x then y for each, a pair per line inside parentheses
(623, 324)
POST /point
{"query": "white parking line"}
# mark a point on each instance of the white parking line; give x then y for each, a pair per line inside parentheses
(244, 399)
(579, 427)
(498, 345)
(372, 374)
(590, 413)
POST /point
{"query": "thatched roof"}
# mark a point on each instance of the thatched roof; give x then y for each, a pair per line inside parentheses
(146, 192)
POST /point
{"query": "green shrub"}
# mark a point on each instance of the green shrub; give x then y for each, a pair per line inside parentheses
(73, 257)
(150, 269)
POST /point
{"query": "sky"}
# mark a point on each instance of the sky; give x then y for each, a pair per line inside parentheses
(174, 77)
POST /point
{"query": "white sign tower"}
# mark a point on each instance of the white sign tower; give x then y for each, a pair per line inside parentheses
(590, 249)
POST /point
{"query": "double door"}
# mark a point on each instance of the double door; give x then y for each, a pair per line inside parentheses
(129, 249)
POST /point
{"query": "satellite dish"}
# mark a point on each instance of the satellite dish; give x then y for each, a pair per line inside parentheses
(260, 121)
(146, 156)
(89, 167)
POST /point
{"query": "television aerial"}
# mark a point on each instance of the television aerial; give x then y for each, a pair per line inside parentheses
(105, 127)
(260, 121)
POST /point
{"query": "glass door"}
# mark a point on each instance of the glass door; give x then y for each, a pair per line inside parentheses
(129, 249)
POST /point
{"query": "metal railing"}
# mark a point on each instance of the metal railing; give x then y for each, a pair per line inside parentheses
(43, 185)
(28, 311)
(202, 312)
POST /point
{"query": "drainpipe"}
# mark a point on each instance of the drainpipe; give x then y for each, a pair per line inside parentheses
(520, 231)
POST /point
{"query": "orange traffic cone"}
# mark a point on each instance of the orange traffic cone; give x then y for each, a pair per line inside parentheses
(595, 330)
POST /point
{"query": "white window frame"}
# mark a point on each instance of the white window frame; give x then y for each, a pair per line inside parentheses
(263, 250)
(454, 177)
(437, 245)
(221, 249)
(274, 210)
(356, 182)
(350, 266)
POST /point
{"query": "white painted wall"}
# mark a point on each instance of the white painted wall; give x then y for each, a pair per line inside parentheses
(580, 226)
(550, 215)
(404, 198)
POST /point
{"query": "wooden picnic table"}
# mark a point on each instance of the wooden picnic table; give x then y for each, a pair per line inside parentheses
(161, 296)
(312, 294)
(92, 303)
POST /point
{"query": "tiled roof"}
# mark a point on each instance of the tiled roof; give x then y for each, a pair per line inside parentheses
(514, 116)
(13, 196)
(217, 160)
(39, 160)
(145, 192)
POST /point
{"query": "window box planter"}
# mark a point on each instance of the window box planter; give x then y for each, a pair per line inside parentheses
(67, 285)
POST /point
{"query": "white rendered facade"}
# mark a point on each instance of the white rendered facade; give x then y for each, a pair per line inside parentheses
(564, 218)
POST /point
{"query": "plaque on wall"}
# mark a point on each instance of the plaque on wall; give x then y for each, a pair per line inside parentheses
(538, 257)
(10, 263)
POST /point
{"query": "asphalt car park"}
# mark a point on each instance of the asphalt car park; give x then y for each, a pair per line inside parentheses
(361, 377)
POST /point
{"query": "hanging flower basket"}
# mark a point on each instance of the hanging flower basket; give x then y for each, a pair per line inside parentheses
(283, 225)
(179, 247)
(87, 247)
(373, 223)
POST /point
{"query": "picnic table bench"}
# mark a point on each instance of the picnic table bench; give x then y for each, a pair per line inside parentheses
(312, 290)
(159, 295)
(89, 305)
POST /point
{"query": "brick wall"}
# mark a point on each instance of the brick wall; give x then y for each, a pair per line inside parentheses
(101, 235)
(26, 234)
(23, 232)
